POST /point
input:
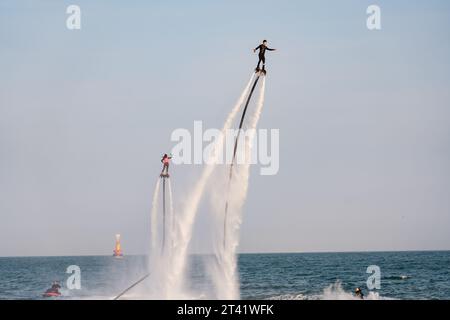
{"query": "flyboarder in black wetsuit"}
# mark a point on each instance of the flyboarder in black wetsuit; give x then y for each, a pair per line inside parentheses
(359, 294)
(262, 50)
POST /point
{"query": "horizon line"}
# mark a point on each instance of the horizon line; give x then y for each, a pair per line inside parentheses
(240, 253)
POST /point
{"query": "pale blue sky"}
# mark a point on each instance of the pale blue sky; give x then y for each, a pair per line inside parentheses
(364, 120)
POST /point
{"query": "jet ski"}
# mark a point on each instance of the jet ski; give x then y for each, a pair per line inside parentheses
(49, 294)
(53, 291)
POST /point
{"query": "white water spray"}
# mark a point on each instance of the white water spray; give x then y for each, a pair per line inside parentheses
(160, 257)
(185, 221)
(167, 267)
(171, 217)
(224, 272)
(154, 217)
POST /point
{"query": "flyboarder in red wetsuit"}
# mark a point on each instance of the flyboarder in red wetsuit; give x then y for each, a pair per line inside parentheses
(165, 160)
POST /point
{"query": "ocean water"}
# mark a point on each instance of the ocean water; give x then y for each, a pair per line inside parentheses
(404, 275)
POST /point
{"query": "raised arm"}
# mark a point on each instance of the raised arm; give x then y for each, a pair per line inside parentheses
(270, 49)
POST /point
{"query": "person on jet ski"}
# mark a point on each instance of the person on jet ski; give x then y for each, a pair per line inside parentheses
(359, 294)
(53, 291)
(262, 51)
(165, 160)
(55, 287)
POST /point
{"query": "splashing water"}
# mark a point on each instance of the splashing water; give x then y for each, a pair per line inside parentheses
(167, 274)
(174, 274)
(158, 287)
(171, 218)
(332, 292)
(154, 217)
(224, 272)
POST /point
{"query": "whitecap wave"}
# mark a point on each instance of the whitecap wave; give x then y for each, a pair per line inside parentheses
(332, 292)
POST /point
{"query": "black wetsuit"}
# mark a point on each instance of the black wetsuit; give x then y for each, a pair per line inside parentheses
(262, 50)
